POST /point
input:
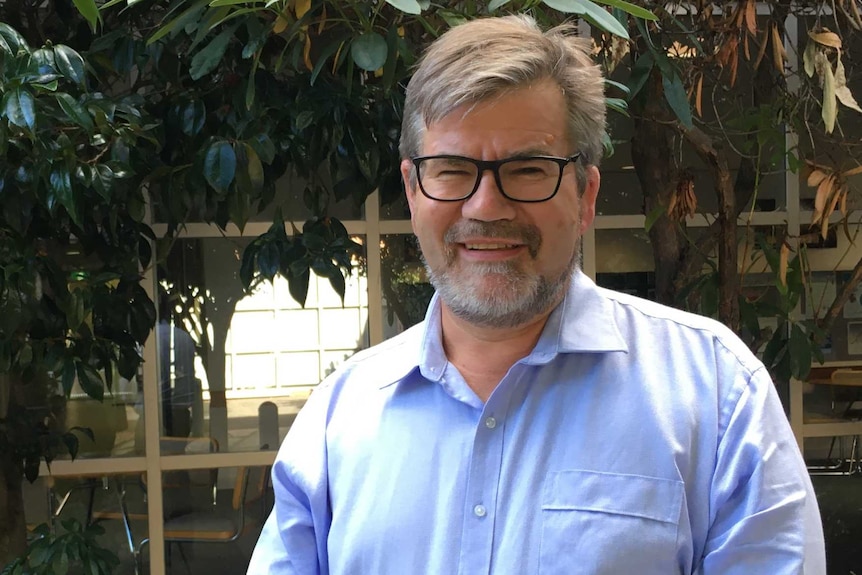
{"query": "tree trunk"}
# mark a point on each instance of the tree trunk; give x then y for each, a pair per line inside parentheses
(13, 529)
(728, 256)
(652, 156)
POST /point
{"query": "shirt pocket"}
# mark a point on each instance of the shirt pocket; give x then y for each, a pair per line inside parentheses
(597, 523)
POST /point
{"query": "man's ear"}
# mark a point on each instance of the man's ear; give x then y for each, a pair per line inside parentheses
(409, 186)
(588, 197)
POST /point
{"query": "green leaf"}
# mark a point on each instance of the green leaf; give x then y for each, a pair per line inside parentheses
(89, 11)
(193, 118)
(20, 108)
(75, 111)
(653, 217)
(209, 57)
(336, 280)
(640, 74)
(408, 6)
(11, 41)
(103, 181)
(297, 285)
(220, 165)
(674, 93)
(619, 86)
(264, 147)
(304, 120)
(246, 268)
(618, 105)
(254, 168)
(251, 85)
(369, 51)
(189, 14)
(592, 13)
(495, 4)
(629, 8)
(799, 348)
(68, 376)
(772, 352)
(268, 260)
(61, 185)
(72, 442)
(91, 381)
(323, 58)
(70, 64)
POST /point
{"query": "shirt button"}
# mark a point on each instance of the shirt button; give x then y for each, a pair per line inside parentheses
(490, 423)
(480, 511)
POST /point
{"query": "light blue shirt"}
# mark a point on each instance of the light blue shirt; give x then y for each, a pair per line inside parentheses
(634, 439)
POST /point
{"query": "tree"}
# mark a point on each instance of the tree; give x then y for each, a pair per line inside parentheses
(190, 110)
(196, 108)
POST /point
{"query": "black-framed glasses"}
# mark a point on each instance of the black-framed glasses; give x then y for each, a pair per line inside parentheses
(520, 179)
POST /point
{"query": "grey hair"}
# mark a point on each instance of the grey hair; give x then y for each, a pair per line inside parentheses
(488, 57)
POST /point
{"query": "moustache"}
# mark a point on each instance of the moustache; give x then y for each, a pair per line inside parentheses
(526, 234)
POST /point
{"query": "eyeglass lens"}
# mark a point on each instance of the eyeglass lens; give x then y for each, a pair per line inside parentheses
(528, 179)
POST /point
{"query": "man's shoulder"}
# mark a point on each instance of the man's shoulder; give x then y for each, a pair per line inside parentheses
(385, 362)
(648, 318)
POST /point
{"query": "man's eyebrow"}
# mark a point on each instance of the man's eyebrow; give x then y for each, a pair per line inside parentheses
(527, 152)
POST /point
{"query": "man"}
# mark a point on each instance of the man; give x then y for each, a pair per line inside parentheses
(534, 423)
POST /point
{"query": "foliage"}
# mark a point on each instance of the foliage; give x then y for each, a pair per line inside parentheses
(72, 242)
(75, 550)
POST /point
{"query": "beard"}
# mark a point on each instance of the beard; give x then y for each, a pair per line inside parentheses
(497, 294)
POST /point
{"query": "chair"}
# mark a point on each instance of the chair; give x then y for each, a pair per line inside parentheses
(217, 525)
(845, 385)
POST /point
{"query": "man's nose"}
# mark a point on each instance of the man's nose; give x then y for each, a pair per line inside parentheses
(488, 204)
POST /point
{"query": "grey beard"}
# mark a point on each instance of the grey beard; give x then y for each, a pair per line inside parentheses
(509, 304)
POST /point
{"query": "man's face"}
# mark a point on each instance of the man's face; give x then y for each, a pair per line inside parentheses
(496, 262)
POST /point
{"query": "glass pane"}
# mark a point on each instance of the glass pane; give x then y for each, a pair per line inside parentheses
(237, 367)
(113, 505)
(406, 291)
(117, 423)
(290, 197)
(213, 518)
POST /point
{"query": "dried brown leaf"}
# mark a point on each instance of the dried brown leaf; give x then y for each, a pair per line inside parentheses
(751, 17)
(762, 51)
(306, 53)
(301, 7)
(852, 172)
(842, 206)
(808, 58)
(779, 54)
(824, 225)
(842, 91)
(698, 99)
(829, 113)
(322, 24)
(782, 263)
(826, 38)
(815, 177)
(824, 191)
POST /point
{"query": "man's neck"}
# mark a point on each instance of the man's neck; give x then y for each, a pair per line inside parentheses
(483, 355)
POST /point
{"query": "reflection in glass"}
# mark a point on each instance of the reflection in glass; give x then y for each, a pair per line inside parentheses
(237, 367)
(406, 291)
(214, 532)
(113, 502)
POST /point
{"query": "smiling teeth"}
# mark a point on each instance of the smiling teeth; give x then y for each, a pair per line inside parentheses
(489, 246)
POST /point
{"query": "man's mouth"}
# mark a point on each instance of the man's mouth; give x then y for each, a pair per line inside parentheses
(490, 246)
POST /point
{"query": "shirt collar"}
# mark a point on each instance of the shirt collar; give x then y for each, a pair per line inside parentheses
(583, 323)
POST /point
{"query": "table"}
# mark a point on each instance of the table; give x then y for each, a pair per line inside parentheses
(827, 427)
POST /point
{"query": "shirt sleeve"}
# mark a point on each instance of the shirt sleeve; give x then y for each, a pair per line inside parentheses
(763, 513)
(293, 539)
